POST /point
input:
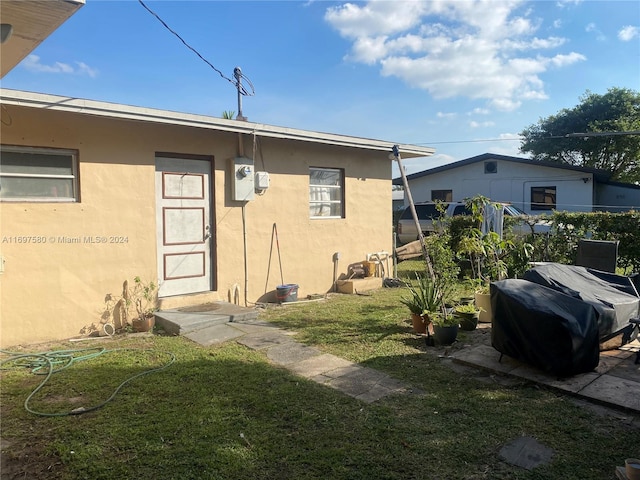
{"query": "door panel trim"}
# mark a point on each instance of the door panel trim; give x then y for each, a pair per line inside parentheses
(164, 226)
(165, 183)
(178, 277)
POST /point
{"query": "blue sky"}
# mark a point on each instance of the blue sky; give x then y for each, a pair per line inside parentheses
(462, 76)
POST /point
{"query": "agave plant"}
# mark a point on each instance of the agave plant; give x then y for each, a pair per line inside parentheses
(426, 296)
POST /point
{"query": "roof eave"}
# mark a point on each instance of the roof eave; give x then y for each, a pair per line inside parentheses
(151, 115)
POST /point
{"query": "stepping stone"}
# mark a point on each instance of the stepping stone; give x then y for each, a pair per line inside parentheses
(526, 452)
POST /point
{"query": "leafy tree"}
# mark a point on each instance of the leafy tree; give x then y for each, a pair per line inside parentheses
(554, 138)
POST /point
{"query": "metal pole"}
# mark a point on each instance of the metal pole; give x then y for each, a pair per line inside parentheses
(237, 73)
(412, 207)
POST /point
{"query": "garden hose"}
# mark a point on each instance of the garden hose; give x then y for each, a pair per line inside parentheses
(48, 363)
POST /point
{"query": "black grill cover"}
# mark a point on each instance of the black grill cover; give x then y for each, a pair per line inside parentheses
(544, 328)
(613, 296)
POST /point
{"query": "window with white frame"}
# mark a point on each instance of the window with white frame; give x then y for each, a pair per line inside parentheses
(326, 193)
(38, 174)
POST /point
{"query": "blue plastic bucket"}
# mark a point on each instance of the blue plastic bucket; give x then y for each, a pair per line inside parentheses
(287, 293)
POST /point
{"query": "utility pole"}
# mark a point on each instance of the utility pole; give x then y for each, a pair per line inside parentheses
(412, 207)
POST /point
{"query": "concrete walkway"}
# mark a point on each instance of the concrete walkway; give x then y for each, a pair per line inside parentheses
(614, 383)
(365, 384)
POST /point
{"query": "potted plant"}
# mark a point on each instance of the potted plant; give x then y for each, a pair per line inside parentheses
(136, 306)
(468, 315)
(445, 328)
(425, 297)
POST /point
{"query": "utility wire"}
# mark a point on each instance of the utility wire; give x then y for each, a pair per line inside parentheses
(553, 137)
(238, 84)
(473, 141)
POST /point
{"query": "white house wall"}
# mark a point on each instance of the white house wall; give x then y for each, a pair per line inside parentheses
(511, 183)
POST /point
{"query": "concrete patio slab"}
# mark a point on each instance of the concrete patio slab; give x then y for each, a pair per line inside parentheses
(608, 362)
(487, 357)
(572, 384)
(341, 371)
(626, 369)
(179, 321)
(358, 382)
(265, 339)
(614, 390)
(291, 353)
(213, 334)
(258, 327)
(319, 365)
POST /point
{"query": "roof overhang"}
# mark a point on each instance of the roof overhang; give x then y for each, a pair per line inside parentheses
(150, 115)
(31, 22)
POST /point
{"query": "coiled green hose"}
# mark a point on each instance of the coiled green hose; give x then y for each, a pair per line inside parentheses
(48, 363)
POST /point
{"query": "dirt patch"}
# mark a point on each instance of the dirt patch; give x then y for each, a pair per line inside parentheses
(466, 339)
(19, 459)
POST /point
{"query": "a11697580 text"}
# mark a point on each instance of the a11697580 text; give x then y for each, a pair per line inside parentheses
(64, 239)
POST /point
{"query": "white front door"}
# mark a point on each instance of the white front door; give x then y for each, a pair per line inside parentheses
(183, 220)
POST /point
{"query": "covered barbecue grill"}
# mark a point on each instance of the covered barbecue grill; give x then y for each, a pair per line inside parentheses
(559, 317)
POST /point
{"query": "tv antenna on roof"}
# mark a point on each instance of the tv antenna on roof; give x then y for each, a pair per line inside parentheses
(238, 75)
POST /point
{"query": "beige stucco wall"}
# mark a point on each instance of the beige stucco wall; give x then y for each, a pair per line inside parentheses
(52, 289)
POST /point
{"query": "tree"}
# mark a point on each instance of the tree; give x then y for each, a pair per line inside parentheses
(612, 121)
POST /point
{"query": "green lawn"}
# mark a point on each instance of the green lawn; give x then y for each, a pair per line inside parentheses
(224, 412)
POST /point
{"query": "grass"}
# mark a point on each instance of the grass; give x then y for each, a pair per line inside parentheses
(224, 412)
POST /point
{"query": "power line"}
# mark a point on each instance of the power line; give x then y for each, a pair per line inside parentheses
(551, 137)
(237, 84)
(472, 141)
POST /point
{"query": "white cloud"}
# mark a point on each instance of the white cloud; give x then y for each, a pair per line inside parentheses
(479, 111)
(510, 136)
(474, 124)
(628, 33)
(479, 49)
(563, 60)
(32, 63)
(564, 3)
(446, 115)
(374, 18)
(592, 28)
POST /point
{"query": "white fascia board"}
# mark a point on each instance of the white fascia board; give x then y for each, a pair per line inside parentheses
(127, 112)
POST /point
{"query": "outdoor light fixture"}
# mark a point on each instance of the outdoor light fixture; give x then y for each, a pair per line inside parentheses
(5, 31)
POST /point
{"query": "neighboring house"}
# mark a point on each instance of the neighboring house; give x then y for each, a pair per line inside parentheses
(535, 187)
(95, 193)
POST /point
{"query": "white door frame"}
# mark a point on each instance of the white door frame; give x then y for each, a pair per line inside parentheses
(184, 234)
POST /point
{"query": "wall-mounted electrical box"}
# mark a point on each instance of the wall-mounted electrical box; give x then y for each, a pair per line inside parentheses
(243, 179)
(262, 181)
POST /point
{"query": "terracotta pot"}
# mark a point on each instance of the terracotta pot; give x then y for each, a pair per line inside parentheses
(419, 323)
(143, 324)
